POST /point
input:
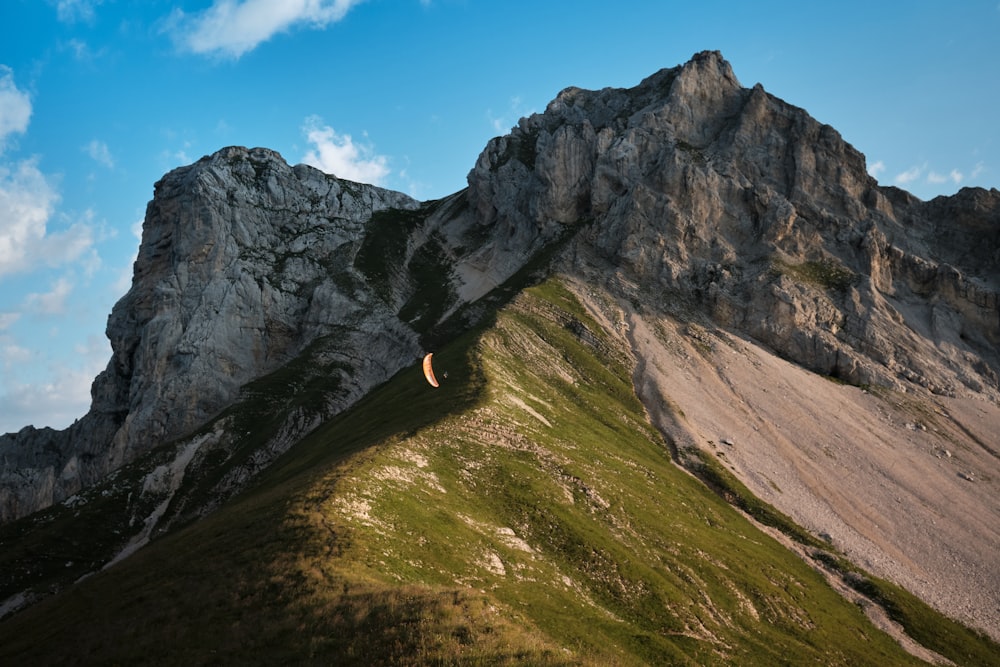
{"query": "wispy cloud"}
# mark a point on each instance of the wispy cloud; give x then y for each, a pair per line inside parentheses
(876, 168)
(12, 355)
(230, 28)
(7, 319)
(28, 199)
(15, 107)
(909, 176)
(82, 51)
(52, 302)
(71, 11)
(27, 202)
(955, 176)
(504, 121)
(56, 402)
(924, 175)
(337, 154)
(98, 151)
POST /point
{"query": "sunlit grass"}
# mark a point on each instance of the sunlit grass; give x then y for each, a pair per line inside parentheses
(523, 513)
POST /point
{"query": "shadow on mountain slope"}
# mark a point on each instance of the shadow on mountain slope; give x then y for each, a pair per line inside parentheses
(525, 512)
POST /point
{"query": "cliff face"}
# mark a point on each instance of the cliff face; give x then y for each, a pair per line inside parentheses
(244, 262)
(687, 194)
(708, 197)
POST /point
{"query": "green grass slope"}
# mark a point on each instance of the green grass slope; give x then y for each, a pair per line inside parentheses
(525, 512)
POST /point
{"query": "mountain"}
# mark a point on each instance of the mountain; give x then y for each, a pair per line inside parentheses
(687, 276)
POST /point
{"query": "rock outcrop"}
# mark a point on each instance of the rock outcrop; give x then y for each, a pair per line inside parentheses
(687, 194)
(704, 196)
(244, 262)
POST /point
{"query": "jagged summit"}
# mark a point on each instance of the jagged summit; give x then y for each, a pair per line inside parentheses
(723, 199)
(687, 197)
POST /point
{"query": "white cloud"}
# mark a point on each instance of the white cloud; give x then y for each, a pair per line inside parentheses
(233, 27)
(12, 354)
(52, 302)
(978, 170)
(955, 176)
(56, 403)
(59, 395)
(908, 176)
(79, 48)
(27, 201)
(499, 124)
(98, 151)
(82, 51)
(8, 319)
(15, 106)
(503, 122)
(70, 11)
(876, 168)
(340, 156)
(175, 157)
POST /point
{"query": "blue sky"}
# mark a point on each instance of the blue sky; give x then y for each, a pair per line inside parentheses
(100, 98)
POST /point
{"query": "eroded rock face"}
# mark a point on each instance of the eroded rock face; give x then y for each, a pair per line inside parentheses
(236, 274)
(701, 196)
(686, 194)
(244, 262)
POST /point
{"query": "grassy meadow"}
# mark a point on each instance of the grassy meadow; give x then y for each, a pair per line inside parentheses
(525, 512)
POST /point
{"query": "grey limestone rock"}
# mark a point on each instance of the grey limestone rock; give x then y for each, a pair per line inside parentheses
(688, 194)
(244, 262)
(711, 198)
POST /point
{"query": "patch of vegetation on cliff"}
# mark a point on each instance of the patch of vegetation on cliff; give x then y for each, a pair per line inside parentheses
(826, 273)
(927, 626)
(696, 154)
(51, 549)
(400, 266)
(724, 483)
(522, 145)
(431, 273)
(384, 248)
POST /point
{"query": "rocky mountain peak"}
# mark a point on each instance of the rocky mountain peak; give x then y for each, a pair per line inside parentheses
(688, 194)
(235, 276)
(706, 196)
(244, 262)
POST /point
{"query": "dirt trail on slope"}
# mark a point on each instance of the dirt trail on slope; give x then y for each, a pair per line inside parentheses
(906, 485)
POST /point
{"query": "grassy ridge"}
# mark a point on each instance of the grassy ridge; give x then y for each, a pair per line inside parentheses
(523, 513)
